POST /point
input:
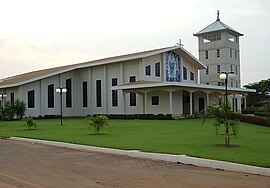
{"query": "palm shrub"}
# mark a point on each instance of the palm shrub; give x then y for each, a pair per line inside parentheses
(97, 122)
(29, 122)
(19, 107)
(222, 114)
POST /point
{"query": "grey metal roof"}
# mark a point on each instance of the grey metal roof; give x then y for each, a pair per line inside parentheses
(217, 26)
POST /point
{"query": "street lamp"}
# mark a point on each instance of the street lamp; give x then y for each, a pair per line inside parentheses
(2, 95)
(61, 90)
(224, 76)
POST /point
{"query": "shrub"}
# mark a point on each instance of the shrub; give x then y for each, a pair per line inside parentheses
(97, 122)
(1, 114)
(19, 108)
(262, 114)
(251, 119)
(9, 111)
(141, 116)
(30, 122)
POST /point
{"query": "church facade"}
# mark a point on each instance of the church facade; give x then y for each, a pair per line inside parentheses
(160, 81)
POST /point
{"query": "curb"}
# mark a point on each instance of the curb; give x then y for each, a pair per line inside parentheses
(221, 165)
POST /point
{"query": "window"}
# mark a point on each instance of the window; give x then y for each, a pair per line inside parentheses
(114, 93)
(207, 70)
(232, 38)
(191, 76)
(148, 70)
(230, 52)
(219, 83)
(231, 84)
(218, 52)
(51, 96)
(236, 69)
(12, 98)
(157, 69)
(98, 93)
(85, 100)
(231, 68)
(184, 73)
(132, 97)
(69, 93)
(155, 100)
(207, 83)
(211, 37)
(236, 84)
(235, 54)
(206, 54)
(31, 99)
(218, 68)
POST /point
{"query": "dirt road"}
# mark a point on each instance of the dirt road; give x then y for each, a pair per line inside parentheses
(34, 165)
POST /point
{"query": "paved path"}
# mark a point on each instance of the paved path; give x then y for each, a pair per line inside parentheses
(35, 165)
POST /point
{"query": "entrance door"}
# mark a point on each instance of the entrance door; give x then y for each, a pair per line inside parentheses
(201, 104)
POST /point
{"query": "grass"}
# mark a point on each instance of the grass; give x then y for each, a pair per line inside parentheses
(161, 136)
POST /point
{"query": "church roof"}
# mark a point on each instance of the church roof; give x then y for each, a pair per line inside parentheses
(217, 26)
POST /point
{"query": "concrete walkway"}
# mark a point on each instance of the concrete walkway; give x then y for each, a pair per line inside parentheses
(156, 156)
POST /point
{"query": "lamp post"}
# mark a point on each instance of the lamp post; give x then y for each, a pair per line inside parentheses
(61, 90)
(2, 95)
(224, 76)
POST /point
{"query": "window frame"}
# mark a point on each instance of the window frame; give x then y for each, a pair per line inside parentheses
(148, 70)
(98, 94)
(157, 69)
(50, 92)
(155, 100)
(185, 73)
(85, 94)
(114, 93)
(31, 99)
(69, 93)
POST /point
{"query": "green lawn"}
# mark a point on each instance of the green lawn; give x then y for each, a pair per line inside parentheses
(162, 136)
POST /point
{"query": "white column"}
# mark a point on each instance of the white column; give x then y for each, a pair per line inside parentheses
(245, 102)
(171, 109)
(124, 103)
(190, 103)
(207, 100)
(41, 102)
(104, 96)
(91, 88)
(145, 103)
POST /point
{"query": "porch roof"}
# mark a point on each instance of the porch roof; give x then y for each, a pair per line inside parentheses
(142, 85)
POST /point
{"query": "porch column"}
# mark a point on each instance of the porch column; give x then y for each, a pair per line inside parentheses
(245, 102)
(190, 103)
(145, 103)
(171, 110)
(124, 103)
(207, 100)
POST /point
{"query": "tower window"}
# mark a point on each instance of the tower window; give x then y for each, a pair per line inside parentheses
(218, 52)
(236, 69)
(231, 68)
(230, 52)
(184, 73)
(206, 54)
(211, 37)
(231, 84)
(235, 54)
(191, 76)
(218, 83)
(207, 70)
(236, 84)
(218, 68)
(232, 38)
(148, 70)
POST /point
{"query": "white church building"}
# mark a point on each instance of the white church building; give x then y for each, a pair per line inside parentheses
(159, 81)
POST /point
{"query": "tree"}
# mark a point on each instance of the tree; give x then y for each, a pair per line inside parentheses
(222, 113)
(19, 107)
(97, 122)
(261, 97)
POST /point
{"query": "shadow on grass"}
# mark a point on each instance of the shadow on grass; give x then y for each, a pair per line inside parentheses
(229, 146)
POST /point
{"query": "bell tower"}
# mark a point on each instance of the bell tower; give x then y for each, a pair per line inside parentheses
(219, 51)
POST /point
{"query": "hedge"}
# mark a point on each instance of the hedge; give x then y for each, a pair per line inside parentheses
(141, 116)
(262, 114)
(251, 119)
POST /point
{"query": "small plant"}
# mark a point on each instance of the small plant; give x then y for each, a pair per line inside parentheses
(97, 122)
(19, 108)
(30, 122)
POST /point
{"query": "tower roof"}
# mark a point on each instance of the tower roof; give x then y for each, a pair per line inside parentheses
(217, 26)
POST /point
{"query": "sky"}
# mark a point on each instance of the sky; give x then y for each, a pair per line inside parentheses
(38, 34)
